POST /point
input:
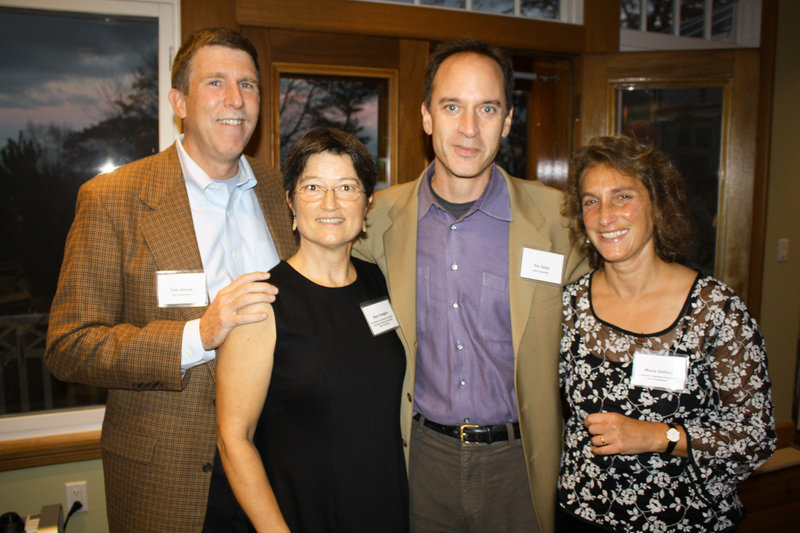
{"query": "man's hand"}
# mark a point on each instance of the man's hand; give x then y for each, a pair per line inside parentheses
(223, 313)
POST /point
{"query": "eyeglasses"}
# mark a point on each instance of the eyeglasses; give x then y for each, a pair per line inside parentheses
(344, 191)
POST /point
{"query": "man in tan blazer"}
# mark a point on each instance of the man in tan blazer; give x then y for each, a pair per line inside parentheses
(130, 312)
(475, 261)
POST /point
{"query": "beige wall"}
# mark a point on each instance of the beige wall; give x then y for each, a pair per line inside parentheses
(780, 304)
(26, 491)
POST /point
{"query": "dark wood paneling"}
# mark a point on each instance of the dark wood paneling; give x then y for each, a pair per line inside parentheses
(333, 49)
(259, 143)
(550, 121)
(414, 22)
(414, 152)
(198, 14)
(599, 18)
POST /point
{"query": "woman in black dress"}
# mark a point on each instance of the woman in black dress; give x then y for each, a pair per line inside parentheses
(308, 399)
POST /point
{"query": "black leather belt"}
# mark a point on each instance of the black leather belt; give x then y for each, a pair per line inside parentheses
(470, 433)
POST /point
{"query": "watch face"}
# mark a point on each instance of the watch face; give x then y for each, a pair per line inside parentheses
(673, 435)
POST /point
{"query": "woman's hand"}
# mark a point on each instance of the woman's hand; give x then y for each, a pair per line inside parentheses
(613, 433)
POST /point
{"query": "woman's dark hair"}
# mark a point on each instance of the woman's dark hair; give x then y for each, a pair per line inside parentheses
(318, 140)
(469, 46)
(672, 226)
(207, 37)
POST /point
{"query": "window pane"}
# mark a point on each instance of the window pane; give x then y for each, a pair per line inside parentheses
(723, 20)
(355, 105)
(494, 6)
(460, 4)
(686, 123)
(512, 155)
(693, 18)
(79, 93)
(543, 9)
(631, 14)
(659, 16)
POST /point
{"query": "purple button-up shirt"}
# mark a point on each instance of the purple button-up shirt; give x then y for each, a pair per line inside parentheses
(465, 362)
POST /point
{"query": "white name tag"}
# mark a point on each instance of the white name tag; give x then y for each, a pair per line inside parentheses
(541, 266)
(181, 288)
(380, 316)
(660, 370)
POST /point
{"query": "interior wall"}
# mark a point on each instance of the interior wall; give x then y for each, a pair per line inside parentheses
(780, 304)
(26, 491)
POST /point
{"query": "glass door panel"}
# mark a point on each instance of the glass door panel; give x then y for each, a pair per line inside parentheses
(686, 123)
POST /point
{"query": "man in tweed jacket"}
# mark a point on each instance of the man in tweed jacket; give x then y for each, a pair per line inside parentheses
(109, 326)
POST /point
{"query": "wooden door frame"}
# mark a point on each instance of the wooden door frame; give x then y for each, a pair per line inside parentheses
(737, 73)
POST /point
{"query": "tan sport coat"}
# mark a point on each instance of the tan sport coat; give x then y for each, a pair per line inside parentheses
(391, 242)
(106, 329)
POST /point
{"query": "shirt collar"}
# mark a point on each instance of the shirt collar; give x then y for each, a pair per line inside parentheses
(197, 178)
(494, 200)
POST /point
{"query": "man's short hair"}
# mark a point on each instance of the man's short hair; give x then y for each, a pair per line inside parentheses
(472, 46)
(207, 37)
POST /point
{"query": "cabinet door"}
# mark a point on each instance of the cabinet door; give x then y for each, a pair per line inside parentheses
(701, 108)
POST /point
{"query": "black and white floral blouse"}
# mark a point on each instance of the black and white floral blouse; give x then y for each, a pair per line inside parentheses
(726, 410)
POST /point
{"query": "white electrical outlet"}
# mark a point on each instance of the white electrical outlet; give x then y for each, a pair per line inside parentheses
(76, 491)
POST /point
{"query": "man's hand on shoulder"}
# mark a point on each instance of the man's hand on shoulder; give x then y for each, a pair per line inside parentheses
(224, 312)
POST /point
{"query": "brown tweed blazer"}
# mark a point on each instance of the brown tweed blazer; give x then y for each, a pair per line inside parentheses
(106, 330)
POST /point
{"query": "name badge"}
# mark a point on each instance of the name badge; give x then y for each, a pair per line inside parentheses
(541, 266)
(380, 316)
(181, 288)
(660, 370)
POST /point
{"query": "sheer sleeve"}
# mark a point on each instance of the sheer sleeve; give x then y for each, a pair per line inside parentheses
(731, 441)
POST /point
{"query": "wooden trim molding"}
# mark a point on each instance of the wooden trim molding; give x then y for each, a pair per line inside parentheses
(769, 37)
(388, 74)
(413, 22)
(49, 450)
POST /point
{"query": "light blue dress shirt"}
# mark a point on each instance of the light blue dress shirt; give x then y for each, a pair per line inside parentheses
(232, 235)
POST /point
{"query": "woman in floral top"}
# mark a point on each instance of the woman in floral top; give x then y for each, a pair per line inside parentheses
(663, 369)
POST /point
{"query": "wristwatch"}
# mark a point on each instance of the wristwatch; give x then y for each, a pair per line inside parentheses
(673, 436)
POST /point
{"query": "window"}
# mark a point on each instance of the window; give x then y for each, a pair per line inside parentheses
(561, 10)
(686, 24)
(354, 99)
(86, 90)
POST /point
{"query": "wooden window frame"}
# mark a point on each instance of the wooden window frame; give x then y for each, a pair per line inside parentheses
(390, 75)
(61, 441)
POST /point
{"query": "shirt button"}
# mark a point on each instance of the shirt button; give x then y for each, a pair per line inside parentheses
(453, 227)
(454, 267)
(455, 305)
(235, 255)
(462, 382)
(466, 420)
(408, 396)
(459, 346)
(207, 468)
(227, 213)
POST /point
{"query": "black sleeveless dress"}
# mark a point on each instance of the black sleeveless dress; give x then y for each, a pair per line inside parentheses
(329, 433)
